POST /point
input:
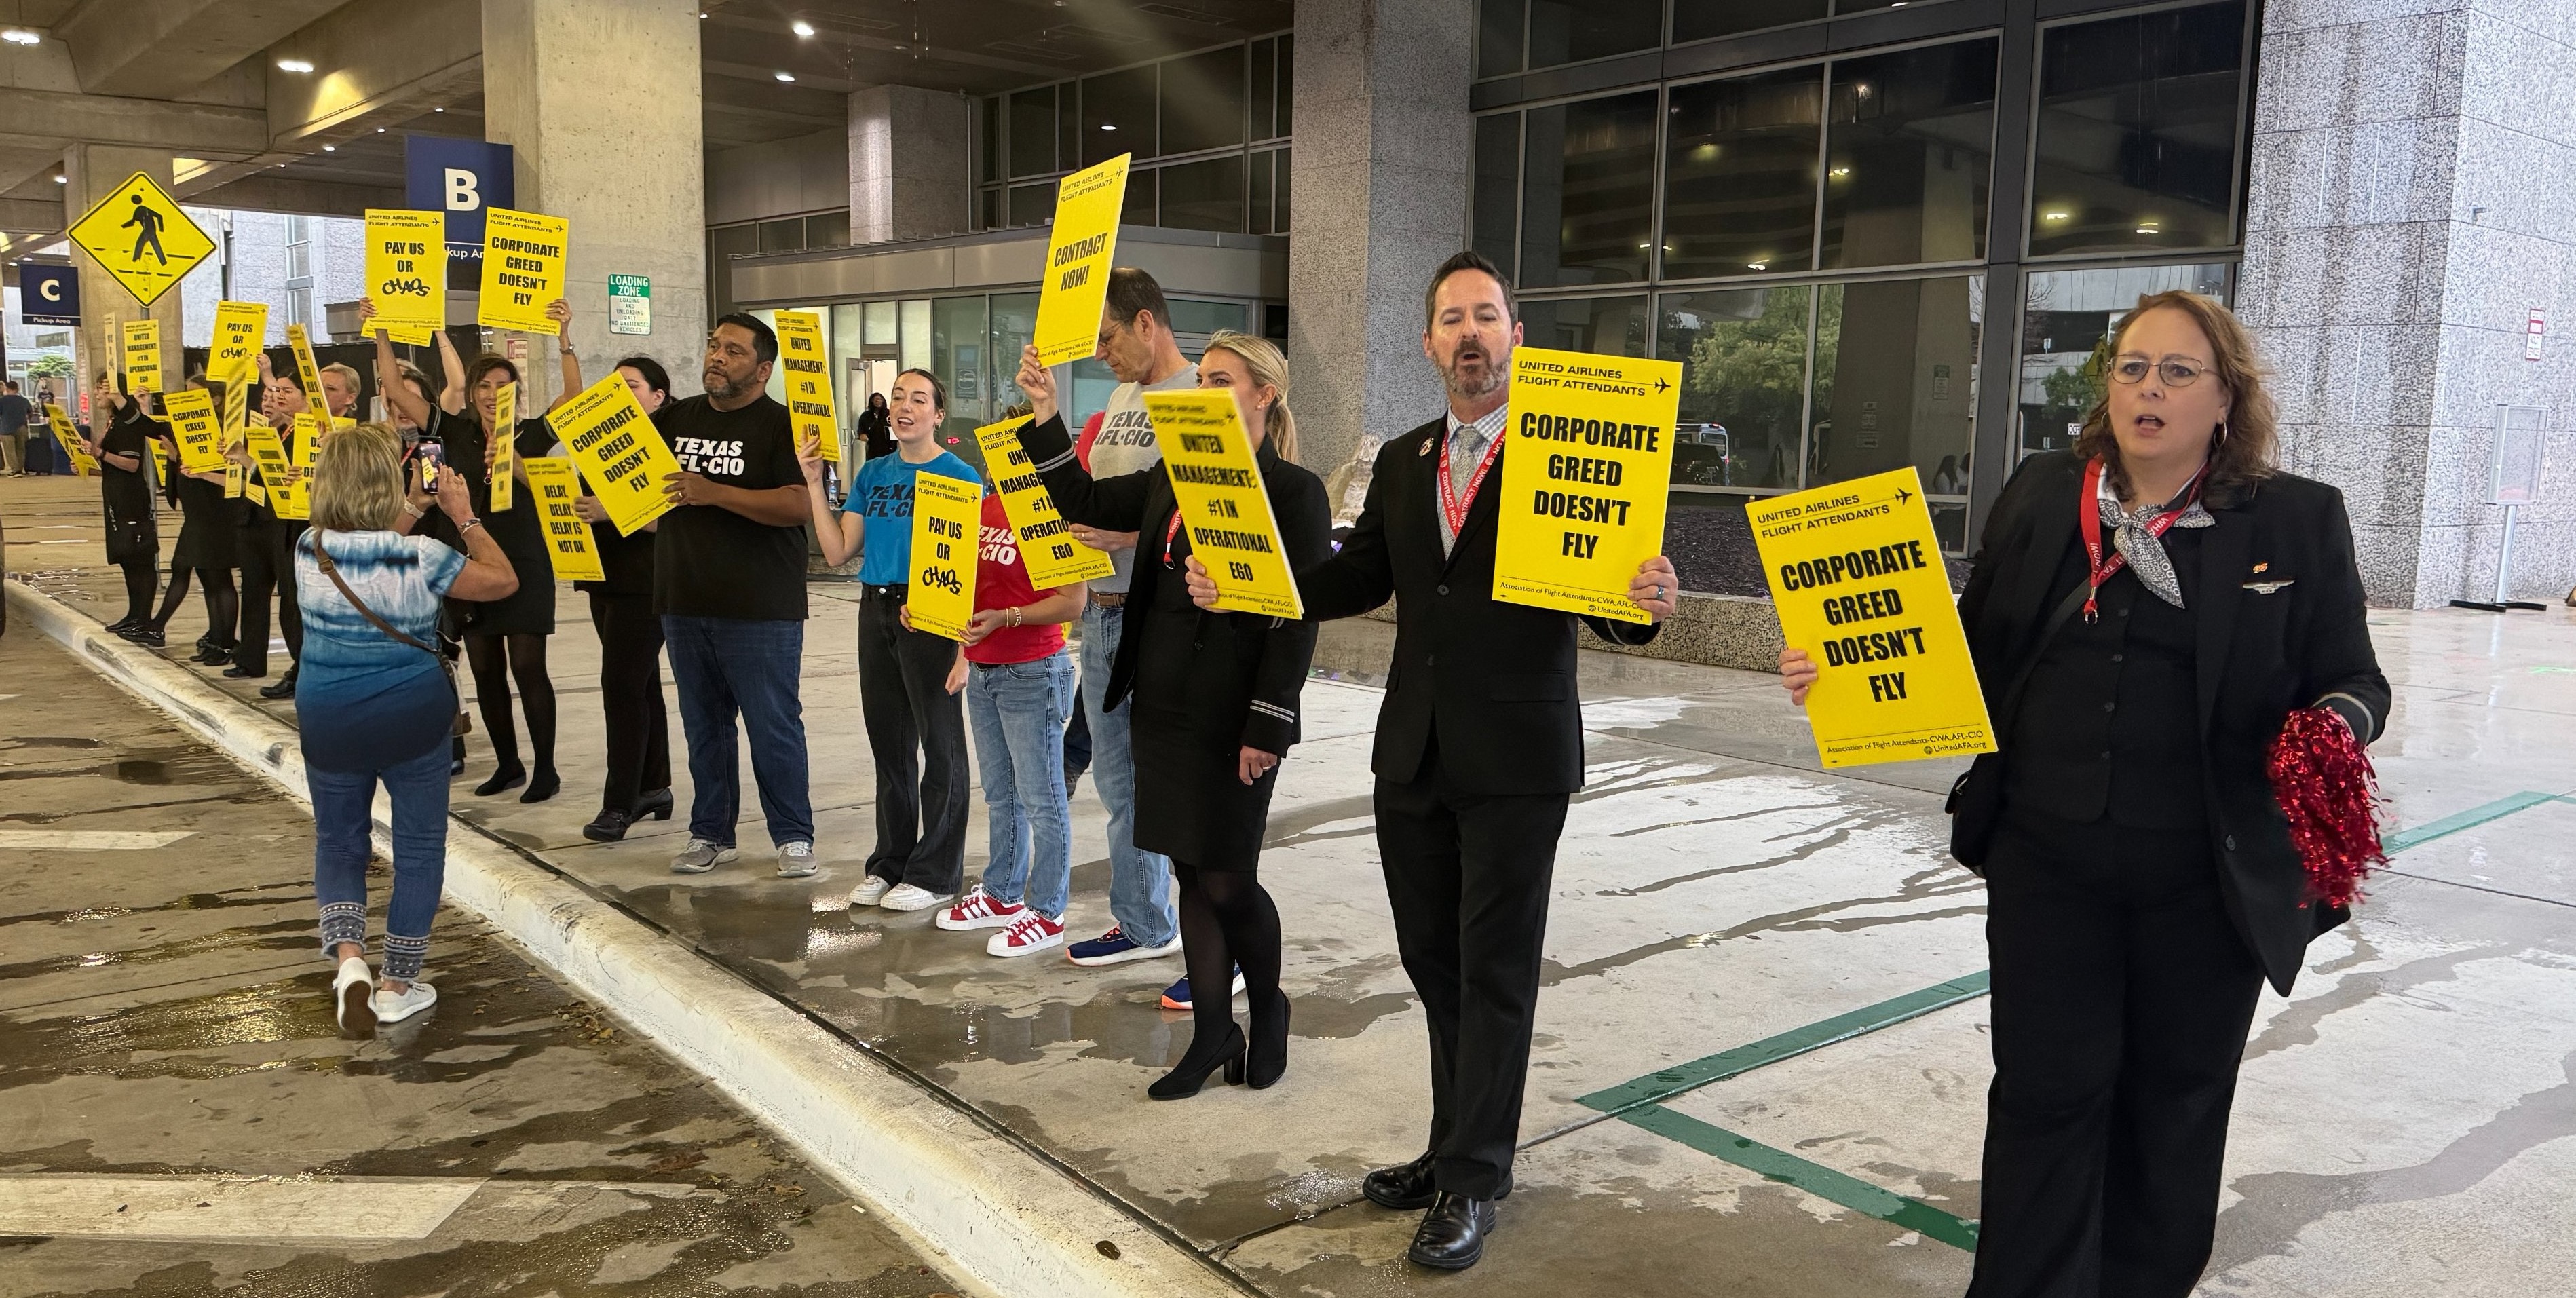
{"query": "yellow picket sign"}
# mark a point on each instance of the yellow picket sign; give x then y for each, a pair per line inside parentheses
(523, 269)
(1857, 579)
(1586, 466)
(505, 446)
(83, 463)
(295, 499)
(1079, 256)
(191, 413)
(236, 417)
(236, 481)
(621, 455)
(308, 374)
(141, 355)
(807, 364)
(1217, 480)
(240, 328)
(407, 272)
(947, 527)
(269, 452)
(557, 485)
(1047, 547)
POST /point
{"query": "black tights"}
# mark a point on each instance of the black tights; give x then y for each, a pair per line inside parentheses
(1227, 920)
(497, 660)
(142, 579)
(223, 603)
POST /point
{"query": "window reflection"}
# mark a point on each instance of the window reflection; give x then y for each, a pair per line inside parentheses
(1203, 101)
(2137, 130)
(1204, 195)
(1588, 196)
(1497, 184)
(1895, 380)
(2067, 317)
(1744, 384)
(1909, 156)
(1033, 131)
(1614, 326)
(1740, 175)
(1498, 36)
(1032, 204)
(957, 355)
(1118, 115)
(1570, 31)
(1697, 20)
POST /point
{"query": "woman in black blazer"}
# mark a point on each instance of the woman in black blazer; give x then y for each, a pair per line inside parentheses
(2140, 880)
(1215, 702)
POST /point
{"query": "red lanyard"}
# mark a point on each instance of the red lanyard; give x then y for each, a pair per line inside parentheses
(1453, 505)
(2088, 517)
(1169, 535)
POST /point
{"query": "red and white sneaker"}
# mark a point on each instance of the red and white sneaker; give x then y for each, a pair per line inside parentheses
(979, 909)
(1027, 935)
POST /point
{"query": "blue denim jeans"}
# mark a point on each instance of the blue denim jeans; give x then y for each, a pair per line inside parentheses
(1140, 883)
(1018, 712)
(343, 815)
(728, 667)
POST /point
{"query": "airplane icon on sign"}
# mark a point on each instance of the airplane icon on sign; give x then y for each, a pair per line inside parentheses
(1662, 386)
(1902, 495)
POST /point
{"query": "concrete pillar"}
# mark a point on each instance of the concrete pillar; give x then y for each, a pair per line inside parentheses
(1383, 160)
(600, 101)
(92, 172)
(2410, 183)
(909, 163)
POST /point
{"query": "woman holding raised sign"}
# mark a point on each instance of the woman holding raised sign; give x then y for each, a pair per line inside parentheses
(125, 490)
(206, 549)
(1215, 701)
(2169, 632)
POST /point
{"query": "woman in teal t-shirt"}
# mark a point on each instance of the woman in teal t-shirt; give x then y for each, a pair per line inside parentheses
(915, 725)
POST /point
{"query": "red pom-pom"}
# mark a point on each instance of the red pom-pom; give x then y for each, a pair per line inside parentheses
(2322, 776)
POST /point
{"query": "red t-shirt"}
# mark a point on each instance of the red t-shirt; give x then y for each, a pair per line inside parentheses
(1002, 581)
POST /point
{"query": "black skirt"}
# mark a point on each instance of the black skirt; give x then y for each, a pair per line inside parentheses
(519, 530)
(206, 527)
(1190, 804)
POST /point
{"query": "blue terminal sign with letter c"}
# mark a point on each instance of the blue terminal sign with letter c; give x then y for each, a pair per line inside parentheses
(461, 178)
(48, 293)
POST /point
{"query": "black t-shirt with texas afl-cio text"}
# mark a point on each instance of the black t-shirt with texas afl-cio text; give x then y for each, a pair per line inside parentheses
(709, 561)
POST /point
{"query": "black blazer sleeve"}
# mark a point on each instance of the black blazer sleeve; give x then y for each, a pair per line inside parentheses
(1114, 504)
(2341, 670)
(1361, 575)
(1271, 723)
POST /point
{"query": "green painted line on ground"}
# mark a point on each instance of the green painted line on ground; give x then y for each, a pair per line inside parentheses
(1656, 1087)
(1814, 1178)
(2469, 819)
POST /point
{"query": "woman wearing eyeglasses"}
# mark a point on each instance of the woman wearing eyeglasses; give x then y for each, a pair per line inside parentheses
(2145, 611)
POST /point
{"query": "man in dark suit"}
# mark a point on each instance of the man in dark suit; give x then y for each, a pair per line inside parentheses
(1479, 747)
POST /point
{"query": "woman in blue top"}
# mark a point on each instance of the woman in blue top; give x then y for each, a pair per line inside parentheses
(920, 857)
(374, 703)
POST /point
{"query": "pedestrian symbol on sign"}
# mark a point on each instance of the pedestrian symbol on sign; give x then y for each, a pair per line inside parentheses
(149, 232)
(136, 218)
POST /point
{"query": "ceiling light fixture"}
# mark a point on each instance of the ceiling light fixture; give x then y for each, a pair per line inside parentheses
(1109, 126)
(1757, 265)
(330, 148)
(20, 36)
(1840, 171)
(60, 179)
(294, 65)
(801, 27)
(784, 76)
(438, 110)
(2054, 216)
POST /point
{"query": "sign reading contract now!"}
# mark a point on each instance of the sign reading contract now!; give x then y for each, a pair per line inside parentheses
(621, 454)
(1079, 252)
(1857, 578)
(1586, 467)
(1216, 479)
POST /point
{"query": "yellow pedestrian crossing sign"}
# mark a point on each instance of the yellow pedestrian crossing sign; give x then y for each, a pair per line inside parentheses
(139, 235)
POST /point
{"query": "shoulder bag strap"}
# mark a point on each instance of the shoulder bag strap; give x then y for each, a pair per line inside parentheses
(322, 558)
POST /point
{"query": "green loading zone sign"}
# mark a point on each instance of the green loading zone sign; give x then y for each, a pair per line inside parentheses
(630, 304)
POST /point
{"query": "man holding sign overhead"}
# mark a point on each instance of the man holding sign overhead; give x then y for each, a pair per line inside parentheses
(1479, 747)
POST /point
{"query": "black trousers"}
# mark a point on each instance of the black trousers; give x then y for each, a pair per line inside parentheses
(2122, 996)
(268, 565)
(917, 734)
(1467, 879)
(630, 697)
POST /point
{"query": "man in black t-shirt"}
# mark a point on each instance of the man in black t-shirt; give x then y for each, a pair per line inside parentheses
(729, 584)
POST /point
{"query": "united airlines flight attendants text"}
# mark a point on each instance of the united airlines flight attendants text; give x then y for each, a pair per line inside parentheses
(916, 726)
(729, 584)
(1479, 746)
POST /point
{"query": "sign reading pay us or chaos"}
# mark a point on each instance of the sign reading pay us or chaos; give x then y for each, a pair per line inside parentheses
(947, 531)
(1857, 578)
(1085, 239)
(1047, 546)
(1586, 469)
(1216, 481)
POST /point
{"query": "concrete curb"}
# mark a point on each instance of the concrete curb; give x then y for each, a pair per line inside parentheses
(1003, 1213)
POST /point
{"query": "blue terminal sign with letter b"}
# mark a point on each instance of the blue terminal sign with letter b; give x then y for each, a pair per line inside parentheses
(463, 179)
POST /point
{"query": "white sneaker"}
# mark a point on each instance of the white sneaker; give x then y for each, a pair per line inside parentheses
(979, 909)
(1027, 935)
(907, 897)
(796, 861)
(352, 990)
(871, 890)
(394, 1009)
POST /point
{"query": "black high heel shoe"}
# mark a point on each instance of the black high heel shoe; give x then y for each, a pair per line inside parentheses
(655, 805)
(1266, 1058)
(1191, 1073)
(608, 826)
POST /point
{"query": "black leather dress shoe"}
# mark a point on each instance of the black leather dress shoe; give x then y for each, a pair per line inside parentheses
(608, 826)
(1452, 1235)
(283, 689)
(1403, 1187)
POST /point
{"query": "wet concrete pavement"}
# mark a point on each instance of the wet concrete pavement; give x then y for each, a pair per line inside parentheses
(2402, 1128)
(179, 1115)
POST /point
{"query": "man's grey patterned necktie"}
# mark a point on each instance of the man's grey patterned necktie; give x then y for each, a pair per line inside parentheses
(1466, 448)
(2144, 551)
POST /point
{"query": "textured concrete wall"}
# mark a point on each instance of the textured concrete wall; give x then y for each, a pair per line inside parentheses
(810, 173)
(1384, 150)
(600, 99)
(2414, 175)
(909, 163)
